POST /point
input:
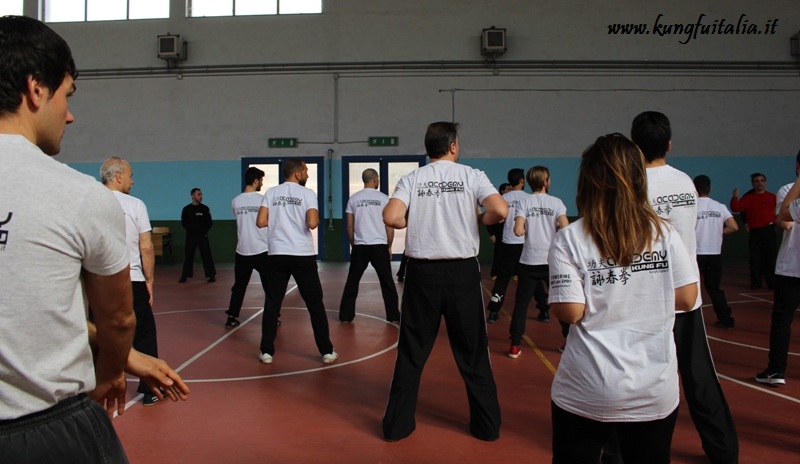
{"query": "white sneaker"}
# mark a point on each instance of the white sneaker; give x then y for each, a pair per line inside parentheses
(496, 298)
(265, 358)
(330, 357)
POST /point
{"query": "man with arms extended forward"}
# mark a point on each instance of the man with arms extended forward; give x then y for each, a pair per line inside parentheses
(438, 204)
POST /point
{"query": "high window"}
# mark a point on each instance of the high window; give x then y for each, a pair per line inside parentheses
(59, 11)
(200, 8)
(11, 7)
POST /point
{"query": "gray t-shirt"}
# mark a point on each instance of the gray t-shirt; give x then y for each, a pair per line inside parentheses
(53, 222)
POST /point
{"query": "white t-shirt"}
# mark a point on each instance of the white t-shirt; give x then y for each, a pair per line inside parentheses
(49, 229)
(366, 207)
(674, 198)
(540, 211)
(250, 239)
(442, 200)
(788, 262)
(711, 217)
(136, 222)
(620, 363)
(288, 232)
(513, 198)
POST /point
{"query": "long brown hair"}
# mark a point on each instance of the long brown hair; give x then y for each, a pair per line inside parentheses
(612, 199)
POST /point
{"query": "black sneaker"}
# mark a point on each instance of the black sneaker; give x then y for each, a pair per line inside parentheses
(543, 317)
(212, 279)
(149, 399)
(729, 324)
(182, 280)
(494, 316)
(771, 377)
(231, 322)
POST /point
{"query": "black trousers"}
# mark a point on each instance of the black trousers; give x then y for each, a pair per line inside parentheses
(449, 289)
(243, 267)
(507, 264)
(787, 299)
(530, 286)
(304, 270)
(144, 338)
(763, 245)
(711, 270)
(360, 257)
(578, 440)
(77, 430)
(702, 390)
(194, 242)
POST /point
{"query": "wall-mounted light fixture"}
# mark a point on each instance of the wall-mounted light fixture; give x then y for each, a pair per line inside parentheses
(493, 42)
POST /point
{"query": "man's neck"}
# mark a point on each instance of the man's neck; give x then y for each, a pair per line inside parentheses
(540, 191)
(249, 189)
(658, 162)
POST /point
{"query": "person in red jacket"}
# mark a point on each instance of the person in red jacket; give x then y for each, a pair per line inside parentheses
(759, 208)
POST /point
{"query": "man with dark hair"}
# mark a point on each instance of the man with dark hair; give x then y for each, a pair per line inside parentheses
(510, 248)
(55, 244)
(196, 219)
(713, 221)
(787, 282)
(116, 174)
(759, 209)
(371, 243)
(251, 245)
(438, 204)
(674, 198)
(290, 211)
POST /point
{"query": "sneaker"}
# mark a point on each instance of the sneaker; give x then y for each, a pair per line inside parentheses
(771, 377)
(212, 279)
(543, 317)
(231, 322)
(149, 399)
(400, 278)
(725, 324)
(494, 316)
(182, 280)
(514, 351)
(497, 298)
(330, 357)
(562, 347)
(265, 358)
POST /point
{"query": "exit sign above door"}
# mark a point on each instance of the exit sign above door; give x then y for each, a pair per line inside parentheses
(385, 141)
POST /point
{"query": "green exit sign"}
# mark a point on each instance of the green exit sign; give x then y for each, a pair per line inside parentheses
(283, 143)
(383, 141)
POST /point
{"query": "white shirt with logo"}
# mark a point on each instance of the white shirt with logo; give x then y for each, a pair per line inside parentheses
(711, 217)
(288, 232)
(513, 198)
(366, 206)
(442, 200)
(540, 212)
(251, 240)
(620, 363)
(674, 198)
(788, 261)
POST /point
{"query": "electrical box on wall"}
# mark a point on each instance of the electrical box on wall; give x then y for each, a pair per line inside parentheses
(493, 42)
(171, 47)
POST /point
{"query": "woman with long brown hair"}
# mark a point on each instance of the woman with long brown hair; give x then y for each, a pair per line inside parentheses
(618, 274)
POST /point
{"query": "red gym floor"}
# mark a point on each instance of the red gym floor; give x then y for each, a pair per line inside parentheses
(298, 410)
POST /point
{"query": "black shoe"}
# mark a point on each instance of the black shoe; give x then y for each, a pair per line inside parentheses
(725, 324)
(182, 280)
(543, 317)
(400, 278)
(150, 399)
(494, 316)
(771, 377)
(231, 322)
(212, 279)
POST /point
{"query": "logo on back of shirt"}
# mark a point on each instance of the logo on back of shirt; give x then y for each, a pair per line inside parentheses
(4, 233)
(368, 203)
(536, 211)
(664, 205)
(606, 271)
(708, 214)
(435, 189)
(247, 209)
(284, 201)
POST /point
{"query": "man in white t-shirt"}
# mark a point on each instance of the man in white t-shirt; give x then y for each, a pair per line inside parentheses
(116, 174)
(713, 221)
(537, 218)
(510, 248)
(438, 203)
(62, 235)
(787, 283)
(251, 243)
(673, 197)
(371, 242)
(290, 211)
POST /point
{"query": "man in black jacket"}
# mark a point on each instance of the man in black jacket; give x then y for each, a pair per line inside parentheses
(196, 219)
